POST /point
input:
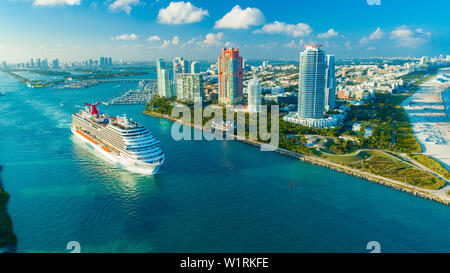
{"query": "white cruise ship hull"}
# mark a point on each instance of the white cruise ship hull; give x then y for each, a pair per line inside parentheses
(133, 166)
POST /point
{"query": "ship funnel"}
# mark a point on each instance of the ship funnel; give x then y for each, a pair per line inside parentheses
(94, 110)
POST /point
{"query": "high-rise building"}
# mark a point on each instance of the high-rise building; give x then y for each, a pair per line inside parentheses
(230, 76)
(31, 62)
(195, 67)
(180, 65)
(254, 95)
(105, 61)
(38, 62)
(190, 87)
(330, 85)
(311, 94)
(165, 80)
(55, 63)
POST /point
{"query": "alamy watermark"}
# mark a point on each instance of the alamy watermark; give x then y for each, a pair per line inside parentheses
(213, 122)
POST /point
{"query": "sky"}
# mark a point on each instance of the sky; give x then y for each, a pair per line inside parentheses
(144, 30)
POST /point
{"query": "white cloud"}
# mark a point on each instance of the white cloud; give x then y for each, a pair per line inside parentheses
(410, 38)
(376, 35)
(126, 37)
(212, 39)
(154, 38)
(239, 18)
(191, 41)
(175, 40)
(123, 5)
(56, 2)
(276, 27)
(370, 48)
(293, 44)
(165, 44)
(181, 13)
(330, 33)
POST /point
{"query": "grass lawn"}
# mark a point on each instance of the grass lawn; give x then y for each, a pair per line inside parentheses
(405, 141)
(386, 165)
(432, 164)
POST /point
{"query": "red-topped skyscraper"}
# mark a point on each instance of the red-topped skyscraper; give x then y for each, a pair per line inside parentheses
(230, 76)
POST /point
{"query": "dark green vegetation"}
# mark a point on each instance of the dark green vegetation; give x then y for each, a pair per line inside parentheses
(391, 129)
(47, 72)
(160, 105)
(7, 237)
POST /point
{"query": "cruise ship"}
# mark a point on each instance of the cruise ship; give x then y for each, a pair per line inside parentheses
(128, 144)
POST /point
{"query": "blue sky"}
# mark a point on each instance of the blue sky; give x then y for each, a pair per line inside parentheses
(198, 29)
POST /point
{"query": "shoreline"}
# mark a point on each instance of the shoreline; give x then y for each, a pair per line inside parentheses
(8, 240)
(419, 192)
(429, 120)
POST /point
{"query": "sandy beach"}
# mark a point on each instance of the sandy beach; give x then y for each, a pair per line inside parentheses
(430, 123)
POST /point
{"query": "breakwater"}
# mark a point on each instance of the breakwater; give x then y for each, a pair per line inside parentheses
(404, 187)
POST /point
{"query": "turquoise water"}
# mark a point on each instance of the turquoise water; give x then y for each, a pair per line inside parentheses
(209, 197)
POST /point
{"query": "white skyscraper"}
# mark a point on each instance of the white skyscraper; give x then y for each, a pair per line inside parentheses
(254, 95)
(311, 94)
(330, 85)
(166, 83)
(311, 90)
(195, 67)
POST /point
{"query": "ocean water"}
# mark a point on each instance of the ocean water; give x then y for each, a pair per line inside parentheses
(210, 196)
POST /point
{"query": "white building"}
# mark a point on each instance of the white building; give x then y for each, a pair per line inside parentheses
(166, 85)
(195, 67)
(190, 87)
(254, 95)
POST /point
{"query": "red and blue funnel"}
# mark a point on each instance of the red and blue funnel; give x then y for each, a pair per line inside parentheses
(94, 110)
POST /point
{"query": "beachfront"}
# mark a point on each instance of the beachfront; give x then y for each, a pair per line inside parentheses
(429, 121)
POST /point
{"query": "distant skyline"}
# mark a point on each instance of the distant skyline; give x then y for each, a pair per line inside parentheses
(147, 29)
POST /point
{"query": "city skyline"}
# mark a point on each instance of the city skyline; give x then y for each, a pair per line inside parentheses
(71, 30)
